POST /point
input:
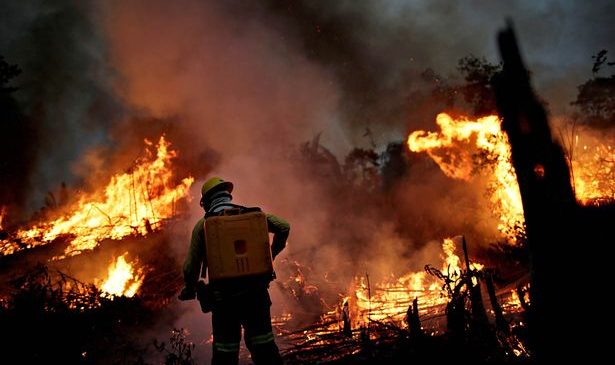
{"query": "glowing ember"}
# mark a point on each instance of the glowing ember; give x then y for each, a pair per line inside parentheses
(132, 203)
(455, 149)
(512, 302)
(123, 279)
(514, 299)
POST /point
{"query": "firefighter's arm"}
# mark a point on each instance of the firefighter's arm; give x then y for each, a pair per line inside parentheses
(194, 262)
(280, 229)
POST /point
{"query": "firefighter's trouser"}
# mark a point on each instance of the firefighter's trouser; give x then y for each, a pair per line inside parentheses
(250, 311)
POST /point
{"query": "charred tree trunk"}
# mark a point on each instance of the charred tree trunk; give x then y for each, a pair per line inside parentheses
(414, 323)
(500, 322)
(347, 328)
(455, 318)
(480, 323)
(548, 201)
(367, 347)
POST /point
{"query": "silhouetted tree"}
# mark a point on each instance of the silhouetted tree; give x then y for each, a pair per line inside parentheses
(395, 164)
(7, 73)
(361, 168)
(16, 140)
(477, 91)
(596, 98)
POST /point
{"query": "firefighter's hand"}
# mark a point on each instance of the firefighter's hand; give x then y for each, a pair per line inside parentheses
(187, 294)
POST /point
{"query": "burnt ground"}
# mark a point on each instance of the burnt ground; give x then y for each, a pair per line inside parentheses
(41, 323)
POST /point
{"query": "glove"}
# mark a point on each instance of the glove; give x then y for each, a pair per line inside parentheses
(187, 294)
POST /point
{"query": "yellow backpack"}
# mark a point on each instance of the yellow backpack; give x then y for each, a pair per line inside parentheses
(237, 244)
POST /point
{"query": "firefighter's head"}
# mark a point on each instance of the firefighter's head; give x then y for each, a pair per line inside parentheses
(212, 186)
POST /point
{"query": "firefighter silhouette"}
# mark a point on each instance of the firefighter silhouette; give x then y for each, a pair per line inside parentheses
(230, 246)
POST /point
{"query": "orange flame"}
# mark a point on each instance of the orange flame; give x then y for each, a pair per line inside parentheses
(456, 146)
(512, 301)
(123, 279)
(593, 169)
(132, 203)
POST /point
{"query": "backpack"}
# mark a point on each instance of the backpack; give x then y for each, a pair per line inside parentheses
(237, 243)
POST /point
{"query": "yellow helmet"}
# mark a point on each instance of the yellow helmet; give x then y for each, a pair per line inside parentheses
(214, 184)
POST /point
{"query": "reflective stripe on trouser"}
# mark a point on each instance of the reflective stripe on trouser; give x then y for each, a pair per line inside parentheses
(250, 311)
(226, 347)
(263, 349)
(227, 334)
(260, 339)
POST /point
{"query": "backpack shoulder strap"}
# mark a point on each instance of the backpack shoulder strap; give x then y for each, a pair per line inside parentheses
(242, 210)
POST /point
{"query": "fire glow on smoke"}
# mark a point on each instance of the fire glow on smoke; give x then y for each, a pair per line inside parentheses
(463, 143)
(456, 146)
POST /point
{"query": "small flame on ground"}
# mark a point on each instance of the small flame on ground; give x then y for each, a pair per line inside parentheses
(123, 278)
(455, 149)
(132, 203)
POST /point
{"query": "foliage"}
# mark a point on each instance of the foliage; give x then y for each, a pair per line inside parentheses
(179, 351)
(477, 91)
(54, 318)
(596, 97)
(7, 73)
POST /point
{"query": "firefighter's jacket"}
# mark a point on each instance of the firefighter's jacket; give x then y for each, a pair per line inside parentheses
(195, 265)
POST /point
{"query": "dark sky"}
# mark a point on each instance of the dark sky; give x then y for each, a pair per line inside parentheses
(388, 36)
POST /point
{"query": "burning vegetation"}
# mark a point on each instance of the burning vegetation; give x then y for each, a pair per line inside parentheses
(136, 202)
(133, 204)
(124, 278)
(343, 299)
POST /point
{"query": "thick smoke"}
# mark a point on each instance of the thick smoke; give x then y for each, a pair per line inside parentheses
(235, 83)
(64, 89)
(238, 86)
